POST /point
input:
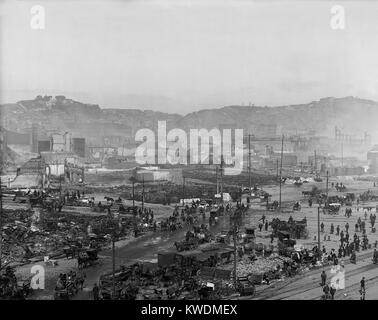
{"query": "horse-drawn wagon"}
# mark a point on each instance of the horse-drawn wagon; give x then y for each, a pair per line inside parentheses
(332, 208)
(65, 293)
(285, 243)
(223, 237)
(297, 206)
(186, 245)
(245, 287)
(87, 257)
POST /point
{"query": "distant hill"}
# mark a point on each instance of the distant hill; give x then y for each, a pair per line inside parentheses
(83, 120)
(351, 114)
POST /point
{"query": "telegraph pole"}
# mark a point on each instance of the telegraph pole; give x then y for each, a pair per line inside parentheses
(60, 186)
(112, 226)
(143, 193)
(235, 253)
(281, 170)
(277, 169)
(133, 182)
(327, 186)
(113, 267)
(216, 177)
(221, 177)
(1, 224)
(319, 227)
(249, 163)
(183, 190)
(132, 179)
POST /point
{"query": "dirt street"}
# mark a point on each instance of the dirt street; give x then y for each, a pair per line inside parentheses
(303, 286)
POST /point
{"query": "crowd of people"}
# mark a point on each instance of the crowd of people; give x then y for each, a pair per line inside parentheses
(349, 246)
(68, 284)
(9, 288)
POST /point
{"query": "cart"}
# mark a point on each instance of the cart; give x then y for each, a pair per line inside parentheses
(245, 287)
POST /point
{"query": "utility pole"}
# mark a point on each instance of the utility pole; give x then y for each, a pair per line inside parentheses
(249, 163)
(277, 169)
(327, 186)
(40, 171)
(221, 177)
(315, 163)
(132, 179)
(113, 258)
(103, 155)
(133, 183)
(216, 177)
(183, 190)
(235, 253)
(281, 170)
(113, 229)
(60, 186)
(1, 222)
(143, 193)
(319, 227)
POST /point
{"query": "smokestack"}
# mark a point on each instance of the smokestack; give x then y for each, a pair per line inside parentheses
(34, 139)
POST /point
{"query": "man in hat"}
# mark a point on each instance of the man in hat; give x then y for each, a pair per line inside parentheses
(362, 289)
(323, 277)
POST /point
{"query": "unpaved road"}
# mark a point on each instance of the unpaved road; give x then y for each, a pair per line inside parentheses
(306, 286)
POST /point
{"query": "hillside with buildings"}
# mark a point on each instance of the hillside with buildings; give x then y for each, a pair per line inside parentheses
(339, 127)
(350, 114)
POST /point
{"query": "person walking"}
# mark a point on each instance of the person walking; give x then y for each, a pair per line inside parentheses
(95, 292)
(326, 291)
(81, 280)
(332, 291)
(362, 289)
(342, 239)
(323, 277)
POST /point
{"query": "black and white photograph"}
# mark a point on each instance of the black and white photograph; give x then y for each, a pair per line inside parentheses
(188, 151)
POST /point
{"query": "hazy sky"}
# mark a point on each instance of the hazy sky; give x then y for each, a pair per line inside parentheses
(192, 54)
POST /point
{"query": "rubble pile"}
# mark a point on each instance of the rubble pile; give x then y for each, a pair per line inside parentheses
(33, 234)
(269, 266)
(12, 288)
(147, 281)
